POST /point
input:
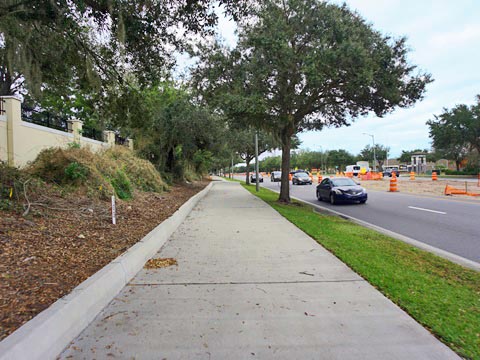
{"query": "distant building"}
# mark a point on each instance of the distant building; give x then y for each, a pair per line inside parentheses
(418, 162)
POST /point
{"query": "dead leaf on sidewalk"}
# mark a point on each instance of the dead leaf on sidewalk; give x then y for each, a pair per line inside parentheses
(160, 263)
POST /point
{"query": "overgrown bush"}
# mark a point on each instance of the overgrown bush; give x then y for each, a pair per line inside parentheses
(465, 172)
(141, 172)
(114, 171)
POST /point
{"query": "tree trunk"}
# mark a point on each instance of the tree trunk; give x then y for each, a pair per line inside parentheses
(380, 165)
(247, 180)
(285, 185)
(457, 164)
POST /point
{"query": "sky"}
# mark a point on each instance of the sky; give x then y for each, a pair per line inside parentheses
(444, 38)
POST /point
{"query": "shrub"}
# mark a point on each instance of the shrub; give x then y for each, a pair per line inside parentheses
(122, 185)
(465, 172)
(114, 171)
(75, 171)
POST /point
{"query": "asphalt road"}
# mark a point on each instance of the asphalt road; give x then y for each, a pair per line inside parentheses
(447, 224)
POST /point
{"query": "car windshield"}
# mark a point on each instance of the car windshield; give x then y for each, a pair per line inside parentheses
(302, 175)
(343, 182)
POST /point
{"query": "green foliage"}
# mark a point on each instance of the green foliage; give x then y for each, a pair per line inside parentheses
(86, 43)
(440, 295)
(381, 153)
(466, 172)
(455, 133)
(121, 184)
(202, 160)
(271, 163)
(339, 159)
(73, 145)
(76, 172)
(306, 64)
(173, 132)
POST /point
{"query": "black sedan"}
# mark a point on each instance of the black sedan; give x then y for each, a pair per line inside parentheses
(300, 178)
(341, 189)
(389, 172)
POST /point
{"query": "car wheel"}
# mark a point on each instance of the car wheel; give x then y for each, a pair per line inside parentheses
(332, 199)
(363, 201)
(319, 197)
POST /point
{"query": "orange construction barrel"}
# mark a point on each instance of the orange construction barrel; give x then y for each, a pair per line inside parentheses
(393, 184)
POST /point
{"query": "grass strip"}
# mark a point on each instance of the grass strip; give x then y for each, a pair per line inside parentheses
(442, 296)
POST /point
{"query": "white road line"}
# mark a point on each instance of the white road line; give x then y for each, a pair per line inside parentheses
(433, 211)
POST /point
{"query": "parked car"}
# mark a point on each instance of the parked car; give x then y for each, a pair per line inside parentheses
(388, 172)
(253, 178)
(300, 178)
(341, 189)
(276, 176)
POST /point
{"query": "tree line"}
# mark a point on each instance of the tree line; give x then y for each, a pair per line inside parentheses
(332, 160)
(298, 65)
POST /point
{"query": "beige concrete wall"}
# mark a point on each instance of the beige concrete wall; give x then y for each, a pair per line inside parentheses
(21, 142)
(93, 145)
(3, 138)
(30, 139)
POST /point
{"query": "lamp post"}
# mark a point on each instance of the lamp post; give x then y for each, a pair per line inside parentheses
(321, 157)
(256, 162)
(374, 156)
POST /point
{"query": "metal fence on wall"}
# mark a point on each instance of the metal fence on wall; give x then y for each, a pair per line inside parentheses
(44, 118)
(2, 106)
(53, 121)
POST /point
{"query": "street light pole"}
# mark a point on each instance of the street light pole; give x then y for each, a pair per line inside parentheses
(321, 157)
(257, 186)
(374, 155)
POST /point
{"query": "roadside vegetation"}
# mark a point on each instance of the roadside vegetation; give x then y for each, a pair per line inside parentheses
(442, 296)
(56, 224)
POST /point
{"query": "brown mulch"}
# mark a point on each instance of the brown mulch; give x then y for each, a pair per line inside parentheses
(44, 256)
(160, 263)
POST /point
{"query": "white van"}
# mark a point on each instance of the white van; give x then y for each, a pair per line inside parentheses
(355, 169)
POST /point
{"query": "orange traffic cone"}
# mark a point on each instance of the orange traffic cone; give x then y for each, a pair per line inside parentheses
(412, 175)
(434, 176)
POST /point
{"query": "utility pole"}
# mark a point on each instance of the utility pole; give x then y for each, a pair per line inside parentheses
(257, 186)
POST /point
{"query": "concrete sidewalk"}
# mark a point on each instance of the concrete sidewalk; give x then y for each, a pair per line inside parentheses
(249, 284)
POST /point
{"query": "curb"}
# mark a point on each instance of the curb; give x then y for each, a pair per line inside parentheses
(50, 332)
(418, 244)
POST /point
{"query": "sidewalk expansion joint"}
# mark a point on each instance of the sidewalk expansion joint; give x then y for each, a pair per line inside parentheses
(247, 282)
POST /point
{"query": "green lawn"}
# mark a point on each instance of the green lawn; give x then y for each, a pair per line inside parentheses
(439, 294)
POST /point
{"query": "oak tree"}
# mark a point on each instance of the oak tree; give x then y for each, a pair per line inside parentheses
(304, 64)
